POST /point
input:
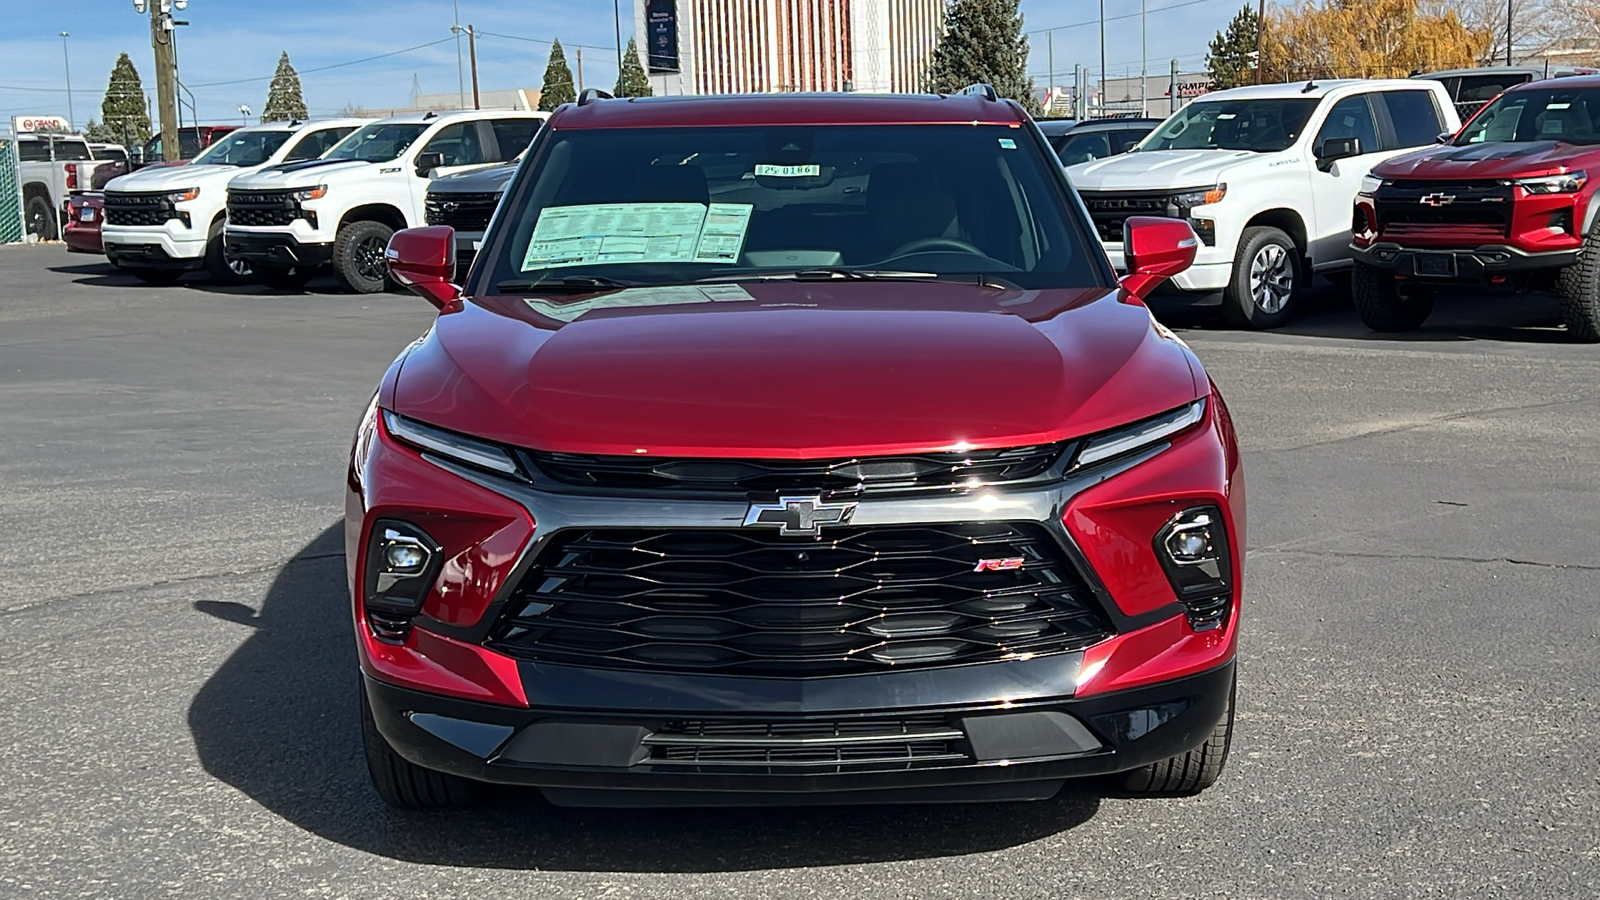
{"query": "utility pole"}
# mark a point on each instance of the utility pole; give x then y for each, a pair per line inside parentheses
(580, 69)
(1050, 54)
(1261, 28)
(472, 51)
(66, 58)
(1144, 62)
(461, 81)
(1172, 93)
(1508, 32)
(166, 71)
(1102, 55)
(616, 15)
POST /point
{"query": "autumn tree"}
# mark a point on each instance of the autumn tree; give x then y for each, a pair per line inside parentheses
(284, 101)
(631, 81)
(983, 43)
(124, 114)
(1231, 57)
(557, 88)
(1366, 39)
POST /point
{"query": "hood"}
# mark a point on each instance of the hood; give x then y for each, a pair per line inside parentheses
(173, 178)
(478, 181)
(785, 370)
(303, 174)
(1503, 159)
(1157, 169)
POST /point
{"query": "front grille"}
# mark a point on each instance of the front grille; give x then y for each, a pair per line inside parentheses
(138, 209)
(464, 212)
(829, 477)
(1109, 209)
(749, 602)
(1477, 210)
(262, 208)
(905, 743)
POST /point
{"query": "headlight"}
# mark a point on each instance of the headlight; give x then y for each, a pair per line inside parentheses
(315, 193)
(1140, 435)
(185, 194)
(1570, 183)
(1201, 197)
(455, 447)
(1370, 185)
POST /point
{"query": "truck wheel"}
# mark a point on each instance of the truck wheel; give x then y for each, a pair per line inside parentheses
(358, 256)
(1381, 305)
(222, 269)
(1192, 772)
(156, 276)
(401, 783)
(1266, 274)
(41, 221)
(283, 279)
(1579, 286)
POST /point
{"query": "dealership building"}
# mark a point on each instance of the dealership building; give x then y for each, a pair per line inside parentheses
(765, 46)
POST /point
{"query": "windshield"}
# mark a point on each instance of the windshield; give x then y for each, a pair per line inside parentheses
(1261, 126)
(243, 148)
(378, 142)
(675, 206)
(1081, 148)
(1549, 114)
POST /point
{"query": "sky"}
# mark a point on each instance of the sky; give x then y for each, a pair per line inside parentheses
(228, 52)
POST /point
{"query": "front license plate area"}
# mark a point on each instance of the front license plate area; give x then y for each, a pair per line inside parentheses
(86, 215)
(1436, 264)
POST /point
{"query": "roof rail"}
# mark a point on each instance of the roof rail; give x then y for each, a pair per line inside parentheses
(590, 95)
(986, 91)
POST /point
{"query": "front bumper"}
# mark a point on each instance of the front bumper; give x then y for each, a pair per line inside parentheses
(1464, 264)
(610, 753)
(165, 247)
(276, 249)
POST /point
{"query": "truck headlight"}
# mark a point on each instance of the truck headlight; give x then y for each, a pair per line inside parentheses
(1188, 200)
(1570, 183)
(1370, 185)
(183, 195)
(312, 193)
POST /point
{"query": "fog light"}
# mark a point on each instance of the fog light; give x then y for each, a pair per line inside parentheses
(404, 554)
(402, 564)
(1190, 543)
(1194, 552)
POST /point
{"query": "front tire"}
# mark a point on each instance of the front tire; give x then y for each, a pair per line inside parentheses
(1189, 773)
(358, 256)
(1579, 286)
(1266, 279)
(222, 269)
(39, 218)
(1381, 305)
(401, 783)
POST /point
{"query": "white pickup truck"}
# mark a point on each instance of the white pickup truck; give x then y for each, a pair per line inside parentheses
(1267, 175)
(53, 164)
(291, 219)
(163, 221)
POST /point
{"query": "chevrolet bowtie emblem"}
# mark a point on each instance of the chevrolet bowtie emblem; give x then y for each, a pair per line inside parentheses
(1439, 199)
(798, 516)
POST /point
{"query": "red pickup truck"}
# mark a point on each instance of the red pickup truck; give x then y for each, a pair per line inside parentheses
(1507, 202)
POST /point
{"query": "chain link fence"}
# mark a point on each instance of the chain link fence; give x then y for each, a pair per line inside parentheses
(11, 228)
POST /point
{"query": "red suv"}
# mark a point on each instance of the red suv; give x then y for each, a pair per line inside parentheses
(1507, 202)
(793, 449)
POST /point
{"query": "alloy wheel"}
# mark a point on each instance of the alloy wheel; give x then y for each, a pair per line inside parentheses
(1271, 278)
(369, 259)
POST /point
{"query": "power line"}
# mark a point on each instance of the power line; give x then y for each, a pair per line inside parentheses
(353, 62)
(1096, 21)
(513, 37)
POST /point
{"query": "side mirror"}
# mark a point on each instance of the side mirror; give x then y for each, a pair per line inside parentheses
(1444, 137)
(424, 260)
(1155, 249)
(427, 162)
(1335, 149)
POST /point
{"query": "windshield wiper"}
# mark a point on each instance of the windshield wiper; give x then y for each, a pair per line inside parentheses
(567, 284)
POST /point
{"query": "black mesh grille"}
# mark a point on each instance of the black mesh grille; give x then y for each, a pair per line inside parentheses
(749, 602)
(817, 746)
(138, 209)
(262, 208)
(875, 475)
(1408, 206)
(1109, 209)
(465, 212)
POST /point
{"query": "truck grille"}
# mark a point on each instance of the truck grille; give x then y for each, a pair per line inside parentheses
(749, 602)
(1109, 209)
(138, 209)
(818, 746)
(828, 477)
(1470, 210)
(463, 212)
(262, 208)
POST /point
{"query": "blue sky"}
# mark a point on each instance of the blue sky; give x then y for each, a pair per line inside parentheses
(239, 41)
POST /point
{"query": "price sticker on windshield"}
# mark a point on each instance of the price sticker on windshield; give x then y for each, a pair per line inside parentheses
(811, 171)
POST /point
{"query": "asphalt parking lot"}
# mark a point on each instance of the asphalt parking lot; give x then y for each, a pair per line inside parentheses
(1420, 681)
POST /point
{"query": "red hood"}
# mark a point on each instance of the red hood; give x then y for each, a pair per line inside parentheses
(795, 370)
(1506, 159)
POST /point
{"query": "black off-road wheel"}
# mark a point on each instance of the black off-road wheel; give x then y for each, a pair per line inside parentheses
(39, 219)
(1383, 305)
(1579, 287)
(222, 269)
(1265, 282)
(403, 784)
(155, 276)
(358, 257)
(1190, 773)
(281, 278)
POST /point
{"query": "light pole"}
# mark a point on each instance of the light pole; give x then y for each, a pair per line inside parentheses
(66, 58)
(461, 80)
(1508, 32)
(616, 15)
(472, 50)
(244, 115)
(1102, 55)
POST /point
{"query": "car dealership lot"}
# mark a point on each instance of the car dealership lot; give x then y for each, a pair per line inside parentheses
(1419, 694)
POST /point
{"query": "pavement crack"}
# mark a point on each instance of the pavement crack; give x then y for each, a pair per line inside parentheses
(1505, 560)
(1436, 420)
(167, 582)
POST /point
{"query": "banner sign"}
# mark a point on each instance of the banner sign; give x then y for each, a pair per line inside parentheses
(661, 36)
(40, 125)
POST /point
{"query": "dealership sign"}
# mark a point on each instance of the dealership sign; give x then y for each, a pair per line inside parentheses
(39, 125)
(1191, 87)
(661, 33)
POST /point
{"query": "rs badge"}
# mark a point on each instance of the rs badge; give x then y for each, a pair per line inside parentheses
(1005, 564)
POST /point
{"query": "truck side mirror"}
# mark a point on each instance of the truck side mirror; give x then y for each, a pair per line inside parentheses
(1335, 149)
(1155, 249)
(428, 161)
(424, 260)
(1444, 137)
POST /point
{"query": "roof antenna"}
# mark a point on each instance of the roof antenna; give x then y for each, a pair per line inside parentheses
(1310, 86)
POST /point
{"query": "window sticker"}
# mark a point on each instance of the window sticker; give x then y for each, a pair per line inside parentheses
(611, 233)
(809, 171)
(1008, 144)
(565, 310)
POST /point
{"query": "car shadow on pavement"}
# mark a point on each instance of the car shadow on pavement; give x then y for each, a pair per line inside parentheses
(105, 274)
(278, 721)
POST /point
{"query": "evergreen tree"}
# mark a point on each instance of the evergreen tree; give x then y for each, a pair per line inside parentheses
(284, 101)
(631, 81)
(557, 88)
(1231, 60)
(124, 115)
(983, 42)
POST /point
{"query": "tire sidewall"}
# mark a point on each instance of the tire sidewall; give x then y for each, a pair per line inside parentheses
(346, 263)
(1238, 303)
(38, 207)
